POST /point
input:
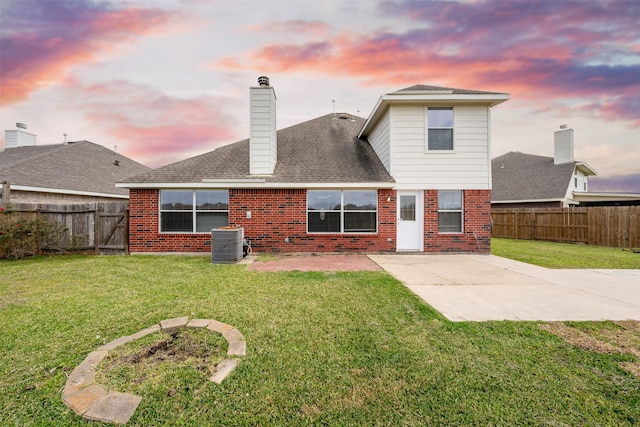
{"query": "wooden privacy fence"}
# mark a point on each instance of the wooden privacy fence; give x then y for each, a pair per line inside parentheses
(615, 226)
(100, 227)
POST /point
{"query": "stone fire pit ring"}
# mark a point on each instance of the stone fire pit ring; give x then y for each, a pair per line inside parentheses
(92, 402)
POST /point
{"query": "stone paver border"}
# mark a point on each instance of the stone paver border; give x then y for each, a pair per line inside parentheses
(92, 402)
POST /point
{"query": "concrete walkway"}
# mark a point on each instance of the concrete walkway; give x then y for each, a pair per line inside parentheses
(488, 287)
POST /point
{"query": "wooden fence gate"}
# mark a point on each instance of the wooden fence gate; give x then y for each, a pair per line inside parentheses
(101, 227)
(112, 232)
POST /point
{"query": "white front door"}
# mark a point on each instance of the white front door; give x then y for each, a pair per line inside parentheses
(410, 220)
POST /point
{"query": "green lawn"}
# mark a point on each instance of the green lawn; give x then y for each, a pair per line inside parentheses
(564, 255)
(322, 349)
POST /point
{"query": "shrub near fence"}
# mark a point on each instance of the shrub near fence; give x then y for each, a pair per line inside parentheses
(97, 227)
(614, 226)
(22, 236)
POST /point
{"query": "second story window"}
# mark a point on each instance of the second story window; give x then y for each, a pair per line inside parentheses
(440, 128)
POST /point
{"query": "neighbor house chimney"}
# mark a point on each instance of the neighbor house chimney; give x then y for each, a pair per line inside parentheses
(18, 137)
(563, 146)
(263, 144)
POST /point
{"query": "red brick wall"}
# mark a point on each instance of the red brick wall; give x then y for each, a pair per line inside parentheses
(143, 228)
(275, 216)
(280, 214)
(476, 235)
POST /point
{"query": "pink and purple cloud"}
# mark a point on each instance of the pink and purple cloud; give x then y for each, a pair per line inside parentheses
(41, 40)
(535, 50)
(148, 124)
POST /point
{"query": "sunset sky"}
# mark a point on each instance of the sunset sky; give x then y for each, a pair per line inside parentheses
(164, 80)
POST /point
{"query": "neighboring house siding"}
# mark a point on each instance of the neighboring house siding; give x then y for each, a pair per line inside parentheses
(529, 205)
(476, 235)
(380, 141)
(582, 179)
(275, 216)
(466, 167)
(20, 196)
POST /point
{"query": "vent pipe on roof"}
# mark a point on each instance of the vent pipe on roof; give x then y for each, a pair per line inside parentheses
(563, 145)
(263, 144)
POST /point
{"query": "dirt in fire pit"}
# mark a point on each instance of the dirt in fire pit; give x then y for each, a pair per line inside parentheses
(162, 361)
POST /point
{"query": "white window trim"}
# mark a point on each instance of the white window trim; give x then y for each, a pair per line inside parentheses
(342, 212)
(194, 211)
(426, 133)
(461, 210)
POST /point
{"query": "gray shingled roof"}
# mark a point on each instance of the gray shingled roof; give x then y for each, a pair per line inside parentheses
(323, 150)
(453, 90)
(77, 166)
(519, 176)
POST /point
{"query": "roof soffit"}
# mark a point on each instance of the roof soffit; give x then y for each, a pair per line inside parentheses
(427, 97)
(585, 168)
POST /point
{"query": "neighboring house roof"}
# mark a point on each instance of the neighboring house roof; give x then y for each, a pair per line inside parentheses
(72, 168)
(526, 177)
(323, 151)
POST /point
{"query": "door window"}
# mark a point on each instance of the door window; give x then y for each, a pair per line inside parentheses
(408, 208)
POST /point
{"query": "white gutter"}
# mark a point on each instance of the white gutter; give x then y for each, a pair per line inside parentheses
(74, 192)
(604, 196)
(230, 183)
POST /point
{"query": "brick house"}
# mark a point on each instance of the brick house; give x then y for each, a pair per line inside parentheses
(414, 176)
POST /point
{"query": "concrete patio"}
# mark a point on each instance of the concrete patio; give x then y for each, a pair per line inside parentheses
(488, 287)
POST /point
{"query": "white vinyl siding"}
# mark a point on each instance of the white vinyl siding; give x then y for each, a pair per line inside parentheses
(580, 181)
(380, 141)
(465, 167)
(263, 145)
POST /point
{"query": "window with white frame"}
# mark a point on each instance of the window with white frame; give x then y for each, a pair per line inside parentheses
(439, 128)
(193, 211)
(450, 211)
(342, 211)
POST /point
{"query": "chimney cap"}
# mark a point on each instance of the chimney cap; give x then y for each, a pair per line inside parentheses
(263, 81)
(21, 125)
(563, 126)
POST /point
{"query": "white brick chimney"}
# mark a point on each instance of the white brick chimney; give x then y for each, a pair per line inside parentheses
(263, 144)
(563, 146)
(18, 137)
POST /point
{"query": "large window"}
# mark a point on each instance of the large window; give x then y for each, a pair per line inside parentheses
(440, 128)
(450, 211)
(193, 211)
(336, 211)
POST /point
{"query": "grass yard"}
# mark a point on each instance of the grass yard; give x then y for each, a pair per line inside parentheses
(564, 255)
(322, 349)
